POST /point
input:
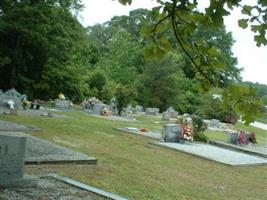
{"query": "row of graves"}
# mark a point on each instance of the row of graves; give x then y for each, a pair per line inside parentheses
(97, 107)
(180, 136)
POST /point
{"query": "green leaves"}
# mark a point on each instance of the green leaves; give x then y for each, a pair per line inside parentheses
(260, 39)
(243, 23)
(125, 2)
(244, 100)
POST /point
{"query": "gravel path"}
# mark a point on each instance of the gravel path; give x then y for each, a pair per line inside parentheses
(34, 112)
(40, 151)
(10, 126)
(48, 189)
(215, 153)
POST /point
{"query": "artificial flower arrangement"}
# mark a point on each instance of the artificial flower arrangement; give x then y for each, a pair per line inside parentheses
(61, 96)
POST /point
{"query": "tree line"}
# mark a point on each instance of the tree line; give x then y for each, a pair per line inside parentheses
(44, 50)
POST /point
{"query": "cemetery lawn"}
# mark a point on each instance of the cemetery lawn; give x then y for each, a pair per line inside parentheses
(129, 166)
(261, 134)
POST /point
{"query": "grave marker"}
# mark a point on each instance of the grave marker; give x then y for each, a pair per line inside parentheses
(172, 133)
(62, 104)
(12, 150)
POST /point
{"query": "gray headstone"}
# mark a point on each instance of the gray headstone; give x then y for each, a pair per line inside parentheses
(98, 108)
(165, 116)
(12, 151)
(233, 138)
(172, 112)
(7, 96)
(152, 111)
(62, 104)
(171, 133)
(139, 108)
(12, 93)
(88, 106)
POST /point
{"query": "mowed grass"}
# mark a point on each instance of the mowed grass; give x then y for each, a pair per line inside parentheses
(129, 166)
(261, 134)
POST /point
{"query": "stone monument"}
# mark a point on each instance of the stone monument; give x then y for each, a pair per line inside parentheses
(62, 104)
(172, 133)
(166, 116)
(172, 112)
(11, 96)
(139, 109)
(12, 151)
(152, 111)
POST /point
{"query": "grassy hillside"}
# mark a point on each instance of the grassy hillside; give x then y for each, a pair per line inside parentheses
(129, 166)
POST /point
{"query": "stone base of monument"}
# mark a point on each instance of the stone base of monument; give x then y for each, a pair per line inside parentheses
(25, 181)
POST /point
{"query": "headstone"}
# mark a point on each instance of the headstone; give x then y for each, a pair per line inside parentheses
(166, 116)
(172, 112)
(88, 106)
(62, 104)
(12, 150)
(233, 138)
(98, 108)
(113, 108)
(11, 95)
(172, 133)
(152, 111)
(139, 109)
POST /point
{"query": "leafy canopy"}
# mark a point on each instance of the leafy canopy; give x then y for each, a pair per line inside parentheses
(184, 18)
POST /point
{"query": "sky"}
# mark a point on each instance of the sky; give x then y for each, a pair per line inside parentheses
(251, 58)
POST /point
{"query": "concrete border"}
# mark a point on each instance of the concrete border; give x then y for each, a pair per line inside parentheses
(206, 158)
(237, 148)
(136, 133)
(85, 187)
(60, 162)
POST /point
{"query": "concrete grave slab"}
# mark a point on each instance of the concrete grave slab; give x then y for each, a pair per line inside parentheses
(39, 151)
(252, 149)
(53, 186)
(214, 153)
(136, 131)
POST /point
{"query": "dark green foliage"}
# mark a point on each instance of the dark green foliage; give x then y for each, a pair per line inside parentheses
(123, 96)
(199, 126)
(157, 86)
(44, 48)
(182, 19)
(211, 107)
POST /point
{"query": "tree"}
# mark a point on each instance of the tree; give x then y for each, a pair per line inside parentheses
(123, 96)
(163, 84)
(43, 48)
(184, 18)
(122, 59)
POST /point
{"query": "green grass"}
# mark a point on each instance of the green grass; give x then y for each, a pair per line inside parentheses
(216, 135)
(263, 118)
(261, 134)
(129, 166)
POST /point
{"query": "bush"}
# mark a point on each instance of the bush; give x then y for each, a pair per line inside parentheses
(201, 137)
(212, 108)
